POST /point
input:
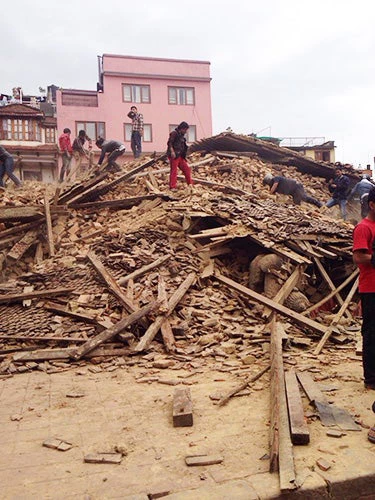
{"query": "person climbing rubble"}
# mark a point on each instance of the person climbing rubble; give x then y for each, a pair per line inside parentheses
(114, 149)
(7, 167)
(361, 191)
(339, 188)
(176, 152)
(282, 185)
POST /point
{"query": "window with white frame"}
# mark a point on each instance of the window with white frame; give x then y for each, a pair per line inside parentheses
(147, 132)
(136, 93)
(92, 129)
(191, 134)
(181, 95)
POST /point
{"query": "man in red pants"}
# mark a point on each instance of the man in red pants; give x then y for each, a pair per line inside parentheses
(176, 152)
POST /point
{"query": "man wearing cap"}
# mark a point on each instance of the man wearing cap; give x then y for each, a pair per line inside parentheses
(361, 190)
(282, 185)
(176, 152)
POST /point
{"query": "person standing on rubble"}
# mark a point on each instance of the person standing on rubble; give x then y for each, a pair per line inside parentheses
(364, 258)
(282, 185)
(361, 190)
(339, 188)
(137, 131)
(114, 149)
(176, 152)
(66, 152)
(78, 148)
(7, 167)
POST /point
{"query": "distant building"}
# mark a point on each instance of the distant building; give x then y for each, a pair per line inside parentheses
(165, 91)
(315, 148)
(30, 135)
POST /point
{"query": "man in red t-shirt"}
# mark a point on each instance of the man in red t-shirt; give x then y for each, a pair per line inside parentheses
(364, 257)
(66, 152)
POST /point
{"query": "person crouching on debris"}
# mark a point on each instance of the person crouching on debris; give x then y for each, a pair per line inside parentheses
(364, 258)
(361, 190)
(7, 167)
(282, 185)
(176, 152)
(114, 149)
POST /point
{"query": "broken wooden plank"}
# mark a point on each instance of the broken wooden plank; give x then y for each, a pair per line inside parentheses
(281, 454)
(298, 426)
(85, 318)
(224, 399)
(20, 228)
(16, 252)
(19, 297)
(64, 354)
(103, 458)
(286, 289)
(153, 329)
(167, 335)
(307, 322)
(9, 214)
(114, 330)
(51, 245)
(118, 204)
(200, 460)
(333, 293)
(182, 408)
(337, 318)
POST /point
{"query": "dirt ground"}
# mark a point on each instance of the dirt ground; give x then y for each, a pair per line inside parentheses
(130, 407)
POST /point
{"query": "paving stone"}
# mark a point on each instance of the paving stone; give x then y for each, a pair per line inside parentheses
(238, 490)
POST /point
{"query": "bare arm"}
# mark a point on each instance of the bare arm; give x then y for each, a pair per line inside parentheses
(274, 187)
(361, 257)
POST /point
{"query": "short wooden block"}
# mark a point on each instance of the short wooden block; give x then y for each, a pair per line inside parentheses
(182, 408)
(194, 460)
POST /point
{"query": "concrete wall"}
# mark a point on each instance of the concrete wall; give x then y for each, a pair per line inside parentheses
(158, 74)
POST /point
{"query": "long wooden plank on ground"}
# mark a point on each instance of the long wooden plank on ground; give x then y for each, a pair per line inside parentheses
(143, 270)
(333, 293)
(307, 322)
(111, 332)
(51, 245)
(19, 248)
(153, 329)
(281, 454)
(20, 297)
(298, 426)
(316, 398)
(337, 318)
(66, 354)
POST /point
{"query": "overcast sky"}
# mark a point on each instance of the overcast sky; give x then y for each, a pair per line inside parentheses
(289, 68)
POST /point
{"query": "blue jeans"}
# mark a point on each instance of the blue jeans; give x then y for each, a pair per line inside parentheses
(7, 167)
(136, 144)
(334, 201)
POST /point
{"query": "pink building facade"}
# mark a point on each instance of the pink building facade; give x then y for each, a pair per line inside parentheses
(165, 91)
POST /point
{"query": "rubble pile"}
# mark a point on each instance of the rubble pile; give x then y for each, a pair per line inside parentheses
(116, 265)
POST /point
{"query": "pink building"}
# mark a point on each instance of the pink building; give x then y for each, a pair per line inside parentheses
(165, 91)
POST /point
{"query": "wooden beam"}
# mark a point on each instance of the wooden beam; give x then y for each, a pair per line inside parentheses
(111, 332)
(20, 297)
(332, 294)
(65, 354)
(286, 289)
(85, 318)
(298, 426)
(8, 214)
(143, 270)
(19, 248)
(337, 318)
(118, 204)
(281, 455)
(182, 408)
(153, 329)
(247, 292)
(51, 245)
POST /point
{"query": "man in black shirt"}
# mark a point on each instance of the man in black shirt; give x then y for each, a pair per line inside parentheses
(113, 148)
(7, 167)
(282, 185)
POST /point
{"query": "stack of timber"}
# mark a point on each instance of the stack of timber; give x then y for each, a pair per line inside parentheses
(116, 268)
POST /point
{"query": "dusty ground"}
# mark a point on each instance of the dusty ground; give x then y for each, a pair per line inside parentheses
(116, 410)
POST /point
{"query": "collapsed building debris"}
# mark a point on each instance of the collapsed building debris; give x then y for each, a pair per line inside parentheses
(117, 270)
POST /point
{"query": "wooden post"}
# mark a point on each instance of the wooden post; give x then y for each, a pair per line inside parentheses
(298, 426)
(51, 245)
(20, 297)
(143, 270)
(242, 386)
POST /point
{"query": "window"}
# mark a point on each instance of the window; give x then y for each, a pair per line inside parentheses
(16, 129)
(92, 129)
(88, 100)
(147, 132)
(50, 135)
(136, 93)
(191, 134)
(181, 95)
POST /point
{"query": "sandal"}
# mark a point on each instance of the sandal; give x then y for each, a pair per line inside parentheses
(371, 435)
